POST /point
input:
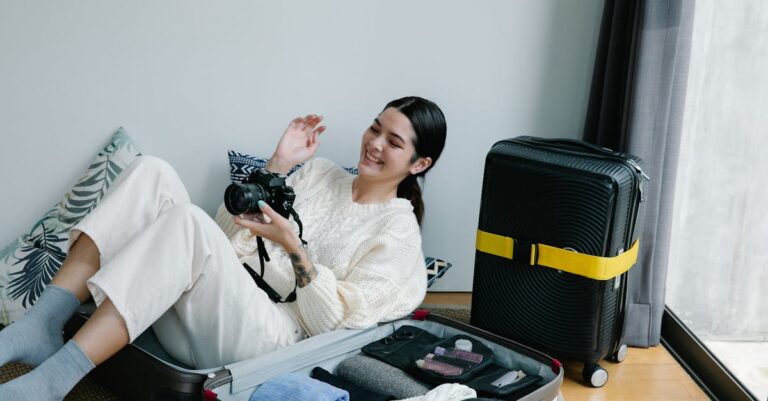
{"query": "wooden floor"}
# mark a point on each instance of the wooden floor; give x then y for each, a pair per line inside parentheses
(646, 374)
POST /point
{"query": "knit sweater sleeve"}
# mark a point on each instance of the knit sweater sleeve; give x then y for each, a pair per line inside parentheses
(309, 175)
(386, 282)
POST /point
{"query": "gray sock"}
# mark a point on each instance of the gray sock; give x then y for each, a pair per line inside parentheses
(53, 379)
(378, 376)
(36, 336)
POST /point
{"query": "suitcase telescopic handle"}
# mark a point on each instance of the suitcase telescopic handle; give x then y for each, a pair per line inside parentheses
(573, 144)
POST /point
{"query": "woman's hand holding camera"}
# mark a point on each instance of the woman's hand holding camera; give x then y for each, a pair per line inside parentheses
(298, 143)
(277, 229)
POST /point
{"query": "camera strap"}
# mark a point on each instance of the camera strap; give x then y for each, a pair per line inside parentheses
(263, 256)
(295, 215)
(271, 293)
(259, 278)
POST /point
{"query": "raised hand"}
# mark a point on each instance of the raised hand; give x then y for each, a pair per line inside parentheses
(298, 143)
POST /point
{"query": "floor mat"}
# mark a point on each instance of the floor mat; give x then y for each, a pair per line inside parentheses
(461, 315)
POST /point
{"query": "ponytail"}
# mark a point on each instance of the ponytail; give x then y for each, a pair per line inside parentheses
(410, 189)
(429, 126)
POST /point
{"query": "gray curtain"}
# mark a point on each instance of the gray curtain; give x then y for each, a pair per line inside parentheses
(653, 92)
(655, 127)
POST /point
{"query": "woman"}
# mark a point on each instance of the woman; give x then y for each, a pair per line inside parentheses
(149, 257)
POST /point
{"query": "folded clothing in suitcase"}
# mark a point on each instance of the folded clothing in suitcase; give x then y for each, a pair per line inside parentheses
(143, 371)
(556, 235)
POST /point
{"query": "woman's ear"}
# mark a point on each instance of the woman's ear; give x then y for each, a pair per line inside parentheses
(421, 164)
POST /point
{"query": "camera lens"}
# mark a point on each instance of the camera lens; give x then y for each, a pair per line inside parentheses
(243, 198)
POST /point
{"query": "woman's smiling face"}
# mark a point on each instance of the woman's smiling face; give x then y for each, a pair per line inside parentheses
(387, 152)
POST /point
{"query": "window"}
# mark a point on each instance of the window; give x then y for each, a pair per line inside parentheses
(719, 260)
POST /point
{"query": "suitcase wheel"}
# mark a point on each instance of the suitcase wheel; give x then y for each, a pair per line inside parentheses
(620, 355)
(595, 375)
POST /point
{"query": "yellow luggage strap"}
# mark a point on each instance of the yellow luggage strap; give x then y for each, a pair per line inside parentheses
(590, 266)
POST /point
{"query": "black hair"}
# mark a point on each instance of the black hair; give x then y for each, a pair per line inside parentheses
(429, 125)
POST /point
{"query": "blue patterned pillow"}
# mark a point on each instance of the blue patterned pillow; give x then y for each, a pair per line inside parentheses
(28, 263)
(435, 269)
(241, 165)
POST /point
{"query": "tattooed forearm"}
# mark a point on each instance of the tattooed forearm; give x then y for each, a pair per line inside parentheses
(303, 268)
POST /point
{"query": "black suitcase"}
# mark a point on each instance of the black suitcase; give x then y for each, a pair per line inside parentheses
(548, 208)
(143, 371)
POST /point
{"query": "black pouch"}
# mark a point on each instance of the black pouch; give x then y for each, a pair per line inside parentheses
(408, 344)
(403, 347)
(483, 384)
(470, 369)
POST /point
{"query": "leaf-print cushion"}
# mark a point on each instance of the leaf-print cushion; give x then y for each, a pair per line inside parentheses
(241, 165)
(29, 262)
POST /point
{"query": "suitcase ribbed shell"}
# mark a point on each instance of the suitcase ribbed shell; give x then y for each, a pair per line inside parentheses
(565, 196)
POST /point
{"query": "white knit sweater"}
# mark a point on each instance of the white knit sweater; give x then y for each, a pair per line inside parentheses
(368, 257)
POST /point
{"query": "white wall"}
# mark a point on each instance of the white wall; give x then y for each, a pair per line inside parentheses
(191, 79)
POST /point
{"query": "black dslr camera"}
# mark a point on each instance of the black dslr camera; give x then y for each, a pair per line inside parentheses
(262, 185)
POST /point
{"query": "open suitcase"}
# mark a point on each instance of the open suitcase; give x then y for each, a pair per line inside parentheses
(144, 371)
(556, 236)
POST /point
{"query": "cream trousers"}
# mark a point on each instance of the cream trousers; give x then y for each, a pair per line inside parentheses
(166, 263)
